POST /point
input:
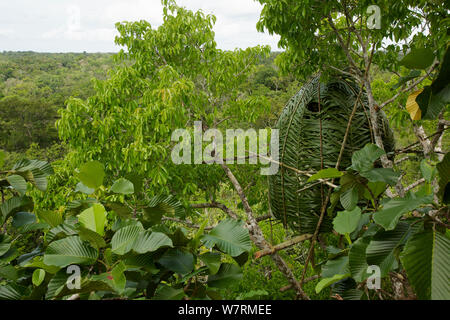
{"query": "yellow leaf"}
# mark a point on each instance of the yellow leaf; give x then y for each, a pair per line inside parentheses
(413, 107)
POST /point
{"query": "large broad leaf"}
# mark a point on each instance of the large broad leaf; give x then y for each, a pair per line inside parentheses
(212, 261)
(177, 260)
(168, 293)
(362, 160)
(53, 218)
(148, 241)
(420, 58)
(357, 259)
(91, 174)
(123, 240)
(227, 276)
(386, 175)
(22, 219)
(381, 249)
(346, 221)
(18, 183)
(326, 282)
(122, 186)
(395, 208)
(16, 204)
(435, 97)
(34, 171)
(443, 168)
(95, 239)
(335, 266)
(431, 104)
(13, 292)
(230, 236)
(70, 250)
(426, 260)
(94, 218)
(349, 198)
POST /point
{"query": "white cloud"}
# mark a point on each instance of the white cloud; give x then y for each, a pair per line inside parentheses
(88, 25)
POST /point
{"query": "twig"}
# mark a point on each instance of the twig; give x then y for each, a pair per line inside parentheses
(282, 245)
(186, 222)
(415, 184)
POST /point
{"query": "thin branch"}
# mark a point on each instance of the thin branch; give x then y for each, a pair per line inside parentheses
(217, 205)
(186, 222)
(409, 88)
(257, 235)
(283, 245)
(415, 184)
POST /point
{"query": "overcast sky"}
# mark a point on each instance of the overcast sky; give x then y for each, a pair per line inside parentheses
(88, 25)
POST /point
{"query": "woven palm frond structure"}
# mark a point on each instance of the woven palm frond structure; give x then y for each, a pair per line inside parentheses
(315, 120)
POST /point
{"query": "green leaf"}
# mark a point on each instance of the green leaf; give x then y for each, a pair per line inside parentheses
(80, 187)
(16, 204)
(148, 241)
(362, 160)
(349, 198)
(420, 58)
(9, 272)
(382, 247)
(395, 208)
(326, 282)
(443, 168)
(123, 186)
(70, 250)
(91, 174)
(227, 276)
(13, 292)
(335, 266)
(431, 104)
(357, 259)
(230, 236)
(2, 158)
(212, 261)
(21, 219)
(38, 277)
(18, 183)
(94, 218)
(53, 218)
(376, 189)
(123, 240)
(177, 260)
(426, 260)
(95, 239)
(386, 175)
(426, 170)
(346, 221)
(402, 80)
(326, 174)
(118, 276)
(168, 293)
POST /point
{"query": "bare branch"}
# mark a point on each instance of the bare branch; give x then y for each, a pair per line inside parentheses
(283, 245)
(410, 87)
